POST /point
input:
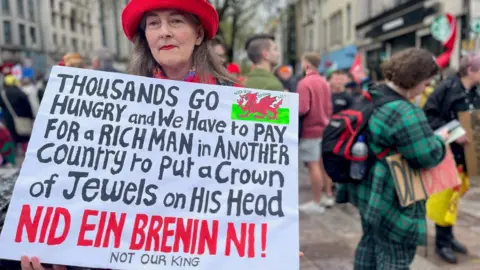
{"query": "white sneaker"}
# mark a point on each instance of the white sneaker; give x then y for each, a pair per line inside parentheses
(327, 201)
(312, 208)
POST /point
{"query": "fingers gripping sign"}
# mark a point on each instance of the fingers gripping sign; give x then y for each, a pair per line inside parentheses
(34, 264)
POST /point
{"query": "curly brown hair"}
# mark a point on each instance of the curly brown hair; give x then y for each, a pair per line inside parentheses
(409, 67)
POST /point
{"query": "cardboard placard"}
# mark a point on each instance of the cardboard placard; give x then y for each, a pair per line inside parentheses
(416, 185)
(129, 172)
(470, 121)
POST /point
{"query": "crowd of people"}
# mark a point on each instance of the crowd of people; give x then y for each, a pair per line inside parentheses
(177, 40)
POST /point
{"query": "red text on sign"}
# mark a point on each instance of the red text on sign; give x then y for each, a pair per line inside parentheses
(153, 234)
(43, 218)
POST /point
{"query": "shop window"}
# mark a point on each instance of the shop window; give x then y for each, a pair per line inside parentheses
(431, 44)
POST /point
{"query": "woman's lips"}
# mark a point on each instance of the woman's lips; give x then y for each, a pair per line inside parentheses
(167, 47)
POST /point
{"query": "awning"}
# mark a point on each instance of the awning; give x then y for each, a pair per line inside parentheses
(340, 59)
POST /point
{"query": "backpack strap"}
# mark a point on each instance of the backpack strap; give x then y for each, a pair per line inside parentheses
(386, 98)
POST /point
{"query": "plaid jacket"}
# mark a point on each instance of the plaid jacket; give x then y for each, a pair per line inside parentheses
(402, 126)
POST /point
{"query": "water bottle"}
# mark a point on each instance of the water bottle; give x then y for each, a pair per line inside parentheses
(357, 168)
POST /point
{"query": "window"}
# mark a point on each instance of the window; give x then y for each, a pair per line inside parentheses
(103, 27)
(369, 9)
(325, 34)
(20, 8)
(54, 19)
(75, 44)
(64, 41)
(73, 23)
(431, 44)
(6, 6)
(31, 10)
(52, 4)
(349, 22)
(311, 40)
(33, 35)
(336, 32)
(55, 39)
(21, 31)
(62, 22)
(7, 32)
(61, 7)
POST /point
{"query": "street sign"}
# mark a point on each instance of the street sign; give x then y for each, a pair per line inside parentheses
(475, 25)
(441, 28)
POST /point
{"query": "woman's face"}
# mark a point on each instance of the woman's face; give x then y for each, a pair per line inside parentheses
(172, 36)
(475, 76)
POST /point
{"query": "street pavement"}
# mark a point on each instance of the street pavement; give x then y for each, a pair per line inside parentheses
(329, 240)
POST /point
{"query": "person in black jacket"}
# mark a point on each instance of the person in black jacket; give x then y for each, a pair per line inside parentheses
(341, 98)
(457, 93)
(19, 102)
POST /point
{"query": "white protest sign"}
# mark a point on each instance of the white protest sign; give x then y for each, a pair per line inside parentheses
(129, 172)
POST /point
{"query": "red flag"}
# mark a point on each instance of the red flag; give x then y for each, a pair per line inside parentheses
(444, 59)
(357, 69)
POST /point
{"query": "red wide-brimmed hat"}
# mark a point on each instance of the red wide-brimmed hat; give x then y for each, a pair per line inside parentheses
(133, 13)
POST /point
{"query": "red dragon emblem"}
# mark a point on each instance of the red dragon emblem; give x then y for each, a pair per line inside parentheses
(265, 107)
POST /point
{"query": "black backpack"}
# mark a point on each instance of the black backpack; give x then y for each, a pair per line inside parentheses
(342, 132)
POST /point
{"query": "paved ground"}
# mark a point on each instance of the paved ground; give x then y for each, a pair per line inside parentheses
(329, 240)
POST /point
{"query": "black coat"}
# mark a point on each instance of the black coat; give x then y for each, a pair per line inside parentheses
(21, 105)
(447, 100)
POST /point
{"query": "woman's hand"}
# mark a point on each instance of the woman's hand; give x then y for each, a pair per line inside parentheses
(34, 264)
(301, 254)
(462, 140)
(444, 134)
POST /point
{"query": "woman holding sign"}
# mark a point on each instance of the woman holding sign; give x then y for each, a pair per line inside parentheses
(391, 233)
(172, 40)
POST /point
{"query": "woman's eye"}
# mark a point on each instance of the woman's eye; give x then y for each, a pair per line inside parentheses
(152, 23)
(176, 21)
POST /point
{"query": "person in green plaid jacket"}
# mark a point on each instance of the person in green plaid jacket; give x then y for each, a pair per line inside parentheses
(391, 232)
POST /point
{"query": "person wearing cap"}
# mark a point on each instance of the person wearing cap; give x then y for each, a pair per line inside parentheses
(457, 93)
(234, 69)
(285, 75)
(15, 99)
(264, 54)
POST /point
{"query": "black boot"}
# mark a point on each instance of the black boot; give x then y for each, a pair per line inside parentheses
(459, 247)
(443, 242)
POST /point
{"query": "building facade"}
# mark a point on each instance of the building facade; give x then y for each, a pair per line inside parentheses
(388, 26)
(110, 31)
(20, 35)
(68, 26)
(337, 42)
(45, 30)
(327, 27)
